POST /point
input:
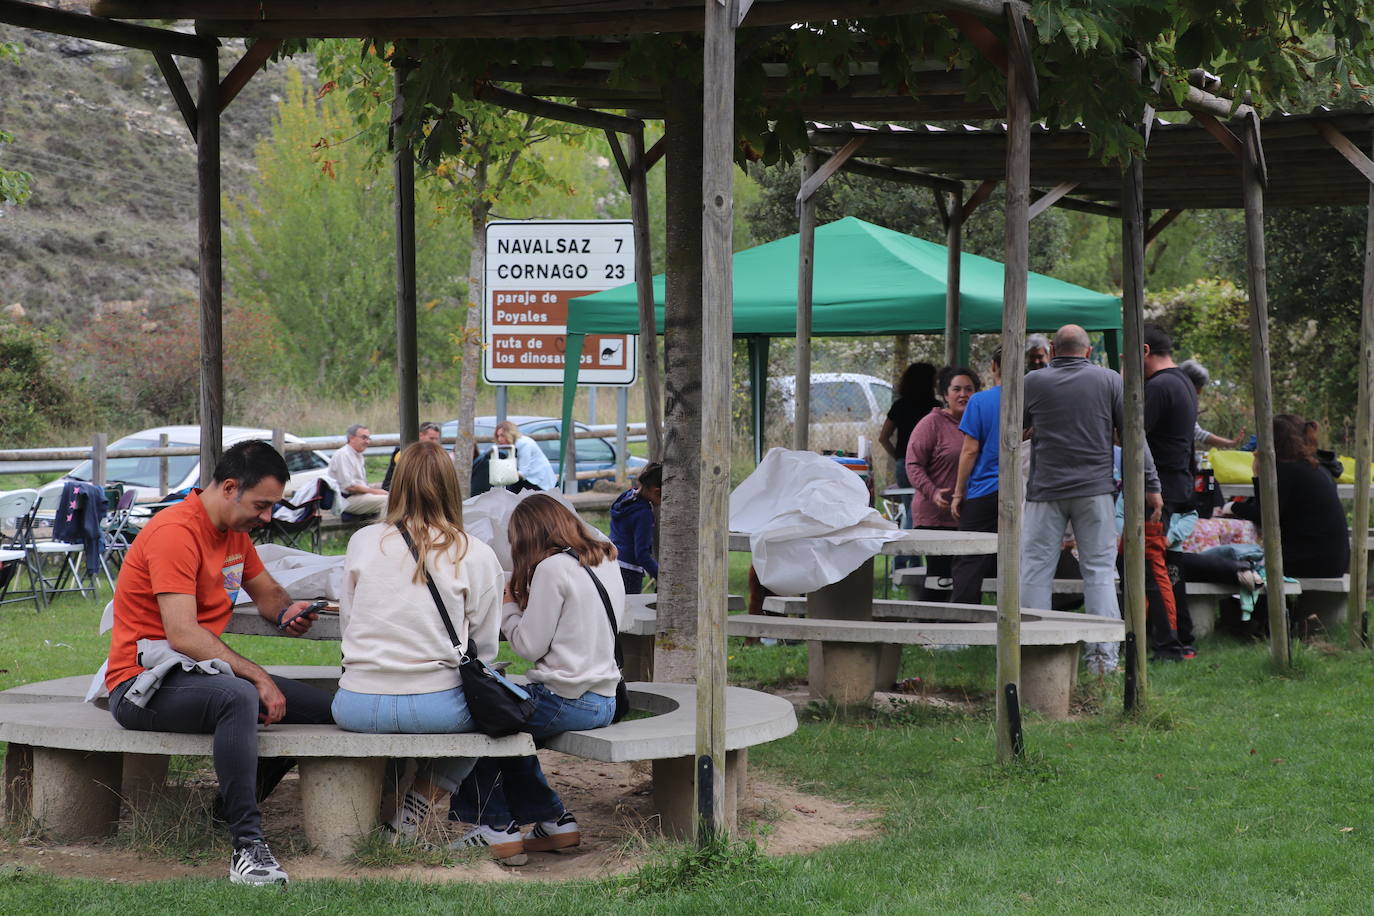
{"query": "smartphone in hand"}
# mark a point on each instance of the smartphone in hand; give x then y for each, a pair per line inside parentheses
(312, 608)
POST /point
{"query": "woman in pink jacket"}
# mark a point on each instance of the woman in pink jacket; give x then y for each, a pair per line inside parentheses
(932, 465)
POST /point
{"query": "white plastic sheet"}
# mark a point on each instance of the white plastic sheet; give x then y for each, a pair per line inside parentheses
(303, 574)
(486, 517)
(808, 520)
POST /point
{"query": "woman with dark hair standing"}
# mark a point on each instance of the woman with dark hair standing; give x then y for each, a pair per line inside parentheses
(1316, 542)
(915, 399)
(554, 616)
(932, 464)
(400, 669)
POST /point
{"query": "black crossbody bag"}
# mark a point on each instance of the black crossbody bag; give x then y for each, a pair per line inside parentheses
(622, 696)
(498, 705)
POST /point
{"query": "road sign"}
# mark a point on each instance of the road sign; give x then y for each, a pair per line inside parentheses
(533, 268)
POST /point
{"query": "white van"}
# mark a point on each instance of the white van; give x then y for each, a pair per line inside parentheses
(844, 406)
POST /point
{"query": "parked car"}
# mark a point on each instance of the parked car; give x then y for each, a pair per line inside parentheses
(141, 474)
(597, 454)
(844, 406)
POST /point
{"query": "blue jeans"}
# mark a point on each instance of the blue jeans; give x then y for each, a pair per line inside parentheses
(505, 789)
(441, 712)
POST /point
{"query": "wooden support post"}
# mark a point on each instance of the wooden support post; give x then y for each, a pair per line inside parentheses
(163, 484)
(717, 187)
(622, 439)
(249, 64)
(644, 289)
(171, 75)
(211, 270)
(1364, 417)
(279, 440)
(1013, 398)
(1133, 435)
(99, 444)
(1253, 194)
(407, 348)
(954, 248)
(980, 194)
(806, 253)
(758, 391)
(1051, 197)
(1161, 224)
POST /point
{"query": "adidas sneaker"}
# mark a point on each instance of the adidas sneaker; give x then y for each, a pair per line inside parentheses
(506, 844)
(254, 864)
(546, 836)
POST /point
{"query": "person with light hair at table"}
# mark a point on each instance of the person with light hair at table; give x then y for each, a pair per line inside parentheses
(530, 461)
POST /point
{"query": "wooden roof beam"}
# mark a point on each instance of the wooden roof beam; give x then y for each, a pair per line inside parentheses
(1049, 199)
(251, 62)
(1161, 224)
(980, 194)
(176, 84)
(901, 176)
(556, 111)
(829, 167)
(1341, 144)
(79, 25)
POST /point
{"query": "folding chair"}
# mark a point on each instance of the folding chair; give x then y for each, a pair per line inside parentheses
(16, 519)
(298, 517)
(117, 529)
(44, 551)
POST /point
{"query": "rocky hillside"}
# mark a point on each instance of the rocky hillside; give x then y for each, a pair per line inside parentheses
(112, 219)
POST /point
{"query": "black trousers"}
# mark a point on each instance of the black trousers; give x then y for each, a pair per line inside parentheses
(227, 707)
(976, 514)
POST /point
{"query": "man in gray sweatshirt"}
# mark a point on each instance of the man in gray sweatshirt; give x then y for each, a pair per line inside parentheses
(1074, 410)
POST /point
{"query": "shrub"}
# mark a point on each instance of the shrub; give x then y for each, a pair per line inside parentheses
(35, 397)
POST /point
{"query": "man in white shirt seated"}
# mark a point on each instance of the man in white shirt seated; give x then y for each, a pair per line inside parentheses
(349, 474)
(530, 461)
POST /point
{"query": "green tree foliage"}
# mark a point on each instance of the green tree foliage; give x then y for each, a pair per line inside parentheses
(14, 184)
(36, 396)
(313, 243)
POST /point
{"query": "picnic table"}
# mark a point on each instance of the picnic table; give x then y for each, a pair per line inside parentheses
(846, 672)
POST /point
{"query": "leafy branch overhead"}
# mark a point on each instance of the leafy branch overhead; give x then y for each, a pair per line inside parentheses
(14, 184)
(1277, 49)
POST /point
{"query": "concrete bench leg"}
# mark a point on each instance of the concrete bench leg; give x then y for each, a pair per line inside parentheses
(144, 777)
(639, 657)
(844, 673)
(889, 666)
(340, 801)
(1047, 678)
(18, 793)
(1332, 608)
(1203, 611)
(76, 793)
(674, 792)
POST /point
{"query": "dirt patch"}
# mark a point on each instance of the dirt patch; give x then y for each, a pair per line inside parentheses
(613, 806)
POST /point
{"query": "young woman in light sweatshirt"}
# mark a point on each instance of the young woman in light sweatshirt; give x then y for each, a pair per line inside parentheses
(400, 670)
(554, 616)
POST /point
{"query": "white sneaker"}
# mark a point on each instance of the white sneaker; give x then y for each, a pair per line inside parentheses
(255, 864)
(506, 844)
(546, 836)
(410, 814)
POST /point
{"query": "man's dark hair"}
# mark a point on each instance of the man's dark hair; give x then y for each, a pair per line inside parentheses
(997, 358)
(249, 462)
(1157, 339)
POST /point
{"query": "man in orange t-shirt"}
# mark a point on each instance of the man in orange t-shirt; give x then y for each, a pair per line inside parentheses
(176, 590)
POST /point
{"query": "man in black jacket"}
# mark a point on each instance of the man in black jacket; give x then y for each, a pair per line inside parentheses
(1170, 417)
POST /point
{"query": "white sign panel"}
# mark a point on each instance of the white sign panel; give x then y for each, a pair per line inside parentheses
(533, 268)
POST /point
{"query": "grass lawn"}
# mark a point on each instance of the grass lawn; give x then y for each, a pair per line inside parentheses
(1239, 791)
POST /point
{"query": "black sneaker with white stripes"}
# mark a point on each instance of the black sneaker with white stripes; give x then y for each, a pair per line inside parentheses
(254, 863)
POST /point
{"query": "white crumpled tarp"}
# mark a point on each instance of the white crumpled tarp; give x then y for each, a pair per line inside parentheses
(303, 574)
(808, 520)
(486, 517)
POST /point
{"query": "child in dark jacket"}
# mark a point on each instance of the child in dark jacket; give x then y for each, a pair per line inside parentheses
(632, 528)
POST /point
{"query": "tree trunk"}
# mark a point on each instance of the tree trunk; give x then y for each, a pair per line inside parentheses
(472, 349)
(675, 645)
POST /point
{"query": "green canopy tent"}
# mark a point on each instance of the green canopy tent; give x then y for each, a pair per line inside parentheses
(868, 280)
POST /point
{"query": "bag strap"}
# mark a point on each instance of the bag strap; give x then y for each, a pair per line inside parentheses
(434, 593)
(606, 603)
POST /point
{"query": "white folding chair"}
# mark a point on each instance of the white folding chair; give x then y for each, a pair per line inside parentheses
(56, 561)
(16, 519)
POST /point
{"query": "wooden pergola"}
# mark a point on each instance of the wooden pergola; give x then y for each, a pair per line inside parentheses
(698, 515)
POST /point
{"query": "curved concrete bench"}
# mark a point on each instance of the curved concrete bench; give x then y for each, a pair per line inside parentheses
(1049, 644)
(668, 741)
(66, 765)
(637, 631)
(66, 756)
